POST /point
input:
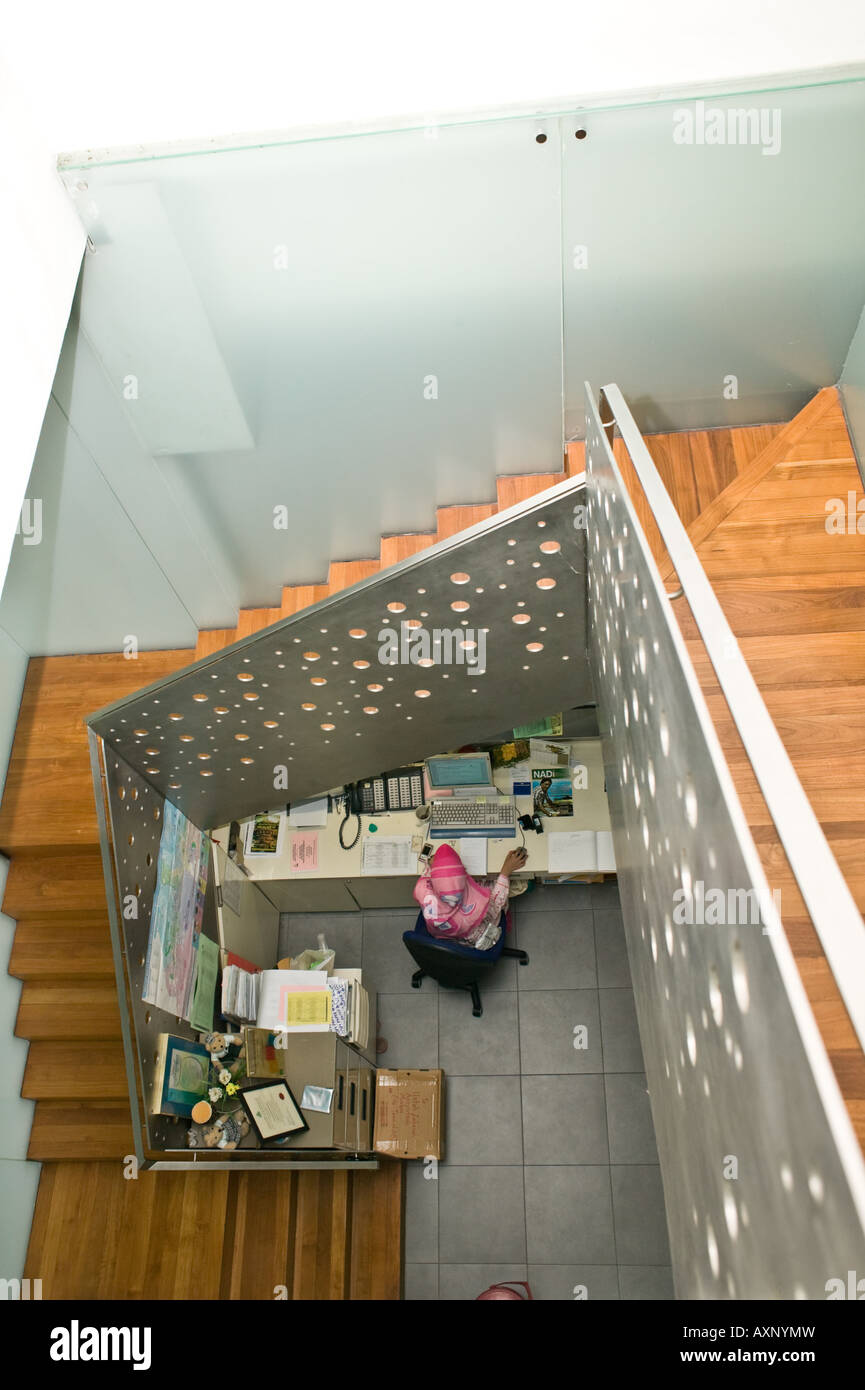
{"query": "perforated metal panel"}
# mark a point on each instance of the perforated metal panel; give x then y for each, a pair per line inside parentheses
(314, 701)
(136, 811)
(763, 1177)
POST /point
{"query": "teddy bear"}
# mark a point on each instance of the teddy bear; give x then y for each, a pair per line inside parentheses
(226, 1131)
(223, 1047)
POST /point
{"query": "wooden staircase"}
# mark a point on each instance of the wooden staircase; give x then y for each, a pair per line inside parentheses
(318, 1235)
(95, 1233)
(794, 596)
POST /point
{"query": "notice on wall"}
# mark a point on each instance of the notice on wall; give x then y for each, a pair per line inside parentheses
(304, 853)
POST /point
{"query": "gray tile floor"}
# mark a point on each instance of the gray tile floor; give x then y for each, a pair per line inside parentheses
(550, 1171)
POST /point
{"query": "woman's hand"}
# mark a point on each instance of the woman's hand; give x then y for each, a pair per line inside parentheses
(515, 859)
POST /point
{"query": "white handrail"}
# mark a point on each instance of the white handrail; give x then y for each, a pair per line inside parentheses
(824, 889)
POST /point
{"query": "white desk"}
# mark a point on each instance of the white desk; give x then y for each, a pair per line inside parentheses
(339, 885)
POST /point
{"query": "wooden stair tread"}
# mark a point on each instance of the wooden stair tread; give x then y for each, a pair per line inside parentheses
(828, 659)
(252, 620)
(43, 949)
(322, 1227)
(394, 549)
(75, 1009)
(213, 640)
(510, 491)
(377, 1232)
(90, 1130)
(83, 1070)
(451, 520)
(296, 597)
(207, 1235)
(260, 1227)
(159, 1236)
(816, 486)
(48, 796)
(343, 573)
(61, 883)
(777, 450)
(794, 595)
(778, 509)
(731, 552)
(776, 610)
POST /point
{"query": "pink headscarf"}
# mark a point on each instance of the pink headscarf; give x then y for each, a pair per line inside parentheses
(448, 897)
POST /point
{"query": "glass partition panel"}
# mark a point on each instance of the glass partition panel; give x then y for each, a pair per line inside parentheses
(375, 318)
(713, 256)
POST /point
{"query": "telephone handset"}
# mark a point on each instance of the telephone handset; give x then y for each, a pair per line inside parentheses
(353, 807)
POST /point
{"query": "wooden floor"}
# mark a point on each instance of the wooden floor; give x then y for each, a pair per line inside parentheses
(794, 596)
(186, 1236)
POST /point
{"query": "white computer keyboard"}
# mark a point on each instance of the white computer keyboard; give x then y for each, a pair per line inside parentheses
(494, 819)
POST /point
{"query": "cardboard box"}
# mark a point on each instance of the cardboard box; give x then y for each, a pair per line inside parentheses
(409, 1112)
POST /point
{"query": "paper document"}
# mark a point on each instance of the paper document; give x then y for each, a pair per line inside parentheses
(606, 855)
(550, 752)
(580, 851)
(572, 851)
(388, 854)
(206, 971)
(304, 853)
(304, 1006)
(472, 850)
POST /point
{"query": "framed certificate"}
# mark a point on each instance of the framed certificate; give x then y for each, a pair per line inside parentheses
(273, 1111)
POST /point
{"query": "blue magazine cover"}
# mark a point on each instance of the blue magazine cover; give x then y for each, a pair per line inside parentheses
(552, 793)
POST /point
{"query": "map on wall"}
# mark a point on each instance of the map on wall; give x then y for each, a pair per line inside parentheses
(178, 908)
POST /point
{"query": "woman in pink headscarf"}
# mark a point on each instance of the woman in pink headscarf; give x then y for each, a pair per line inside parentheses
(455, 907)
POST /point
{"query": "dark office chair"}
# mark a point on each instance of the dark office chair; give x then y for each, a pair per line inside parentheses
(453, 965)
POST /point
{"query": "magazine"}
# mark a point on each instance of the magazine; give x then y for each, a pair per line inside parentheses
(552, 793)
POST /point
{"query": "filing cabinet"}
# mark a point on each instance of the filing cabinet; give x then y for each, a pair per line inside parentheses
(323, 1059)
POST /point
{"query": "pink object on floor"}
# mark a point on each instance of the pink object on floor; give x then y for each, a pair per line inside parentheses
(505, 1291)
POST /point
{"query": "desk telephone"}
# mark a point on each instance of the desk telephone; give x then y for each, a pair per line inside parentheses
(400, 790)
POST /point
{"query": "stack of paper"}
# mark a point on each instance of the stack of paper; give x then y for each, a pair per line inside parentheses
(297, 1001)
(358, 1028)
(239, 994)
(580, 851)
(339, 995)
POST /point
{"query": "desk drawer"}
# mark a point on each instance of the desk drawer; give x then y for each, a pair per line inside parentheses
(365, 1117)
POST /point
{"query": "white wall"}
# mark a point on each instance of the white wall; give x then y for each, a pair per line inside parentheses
(209, 67)
(41, 244)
